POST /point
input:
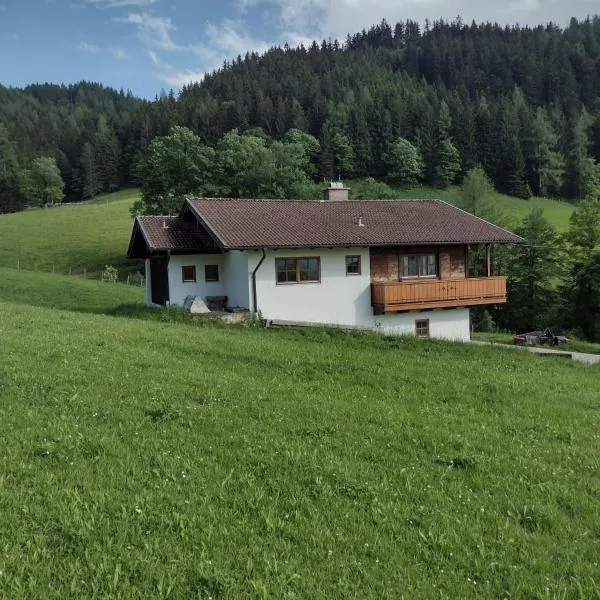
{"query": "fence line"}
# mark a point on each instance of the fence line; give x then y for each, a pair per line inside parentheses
(126, 274)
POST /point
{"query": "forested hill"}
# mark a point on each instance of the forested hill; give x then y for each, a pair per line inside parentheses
(92, 132)
(521, 102)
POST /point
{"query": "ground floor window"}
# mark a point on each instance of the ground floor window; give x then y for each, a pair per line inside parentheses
(188, 274)
(353, 265)
(422, 327)
(418, 265)
(298, 270)
(211, 272)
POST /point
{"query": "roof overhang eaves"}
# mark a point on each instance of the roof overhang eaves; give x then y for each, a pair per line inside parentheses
(137, 227)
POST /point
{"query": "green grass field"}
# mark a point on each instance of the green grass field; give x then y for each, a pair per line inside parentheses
(83, 238)
(70, 238)
(145, 459)
(513, 210)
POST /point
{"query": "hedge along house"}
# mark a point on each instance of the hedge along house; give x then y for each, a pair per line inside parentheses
(399, 267)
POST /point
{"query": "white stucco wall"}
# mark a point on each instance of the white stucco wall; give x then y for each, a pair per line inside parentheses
(451, 324)
(178, 289)
(342, 300)
(236, 278)
(338, 299)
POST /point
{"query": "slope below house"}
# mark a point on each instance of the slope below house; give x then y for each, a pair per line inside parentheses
(399, 267)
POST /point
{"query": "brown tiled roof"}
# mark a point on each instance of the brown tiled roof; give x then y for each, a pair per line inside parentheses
(239, 224)
(173, 233)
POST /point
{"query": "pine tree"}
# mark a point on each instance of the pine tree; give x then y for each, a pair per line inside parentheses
(327, 155)
(361, 141)
(107, 156)
(579, 170)
(585, 298)
(533, 269)
(89, 180)
(447, 158)
(343, 155)
(546, 164)
(513, 167)
(11, 196)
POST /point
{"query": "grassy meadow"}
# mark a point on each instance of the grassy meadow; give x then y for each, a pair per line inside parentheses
(148, 459)
(70, 238)
(83, 238)
(512, 210)
(149, 454)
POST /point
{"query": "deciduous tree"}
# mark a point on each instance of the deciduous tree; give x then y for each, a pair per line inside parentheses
(404, 162)
(44, 182)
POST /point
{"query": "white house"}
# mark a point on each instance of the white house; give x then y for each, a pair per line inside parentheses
(394, 266)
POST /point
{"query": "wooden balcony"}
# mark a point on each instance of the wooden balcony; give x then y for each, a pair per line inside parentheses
(423, 294)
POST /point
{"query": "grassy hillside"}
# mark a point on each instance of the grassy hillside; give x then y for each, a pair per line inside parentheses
(69, 238)
(143, 459)
(91, 235)
(67, 293)
(513, 210)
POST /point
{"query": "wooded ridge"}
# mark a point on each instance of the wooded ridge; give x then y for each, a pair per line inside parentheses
(520, 102)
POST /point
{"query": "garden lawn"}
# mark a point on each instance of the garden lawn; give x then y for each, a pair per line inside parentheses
(158, 460)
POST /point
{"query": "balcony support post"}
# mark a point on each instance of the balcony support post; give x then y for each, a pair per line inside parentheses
(488, 259)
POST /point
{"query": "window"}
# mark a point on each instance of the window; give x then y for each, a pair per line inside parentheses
(211, 272)
(422, 327)
(353, 265)
(298, 270)
(188, 274)
(418, 265)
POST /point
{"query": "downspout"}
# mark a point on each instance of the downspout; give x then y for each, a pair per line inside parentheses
(254, 298)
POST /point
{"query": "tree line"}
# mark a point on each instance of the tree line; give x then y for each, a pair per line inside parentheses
(438, 101)
(553, 279)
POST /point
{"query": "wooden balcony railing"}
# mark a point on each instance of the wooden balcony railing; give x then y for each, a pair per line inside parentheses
(420, 294)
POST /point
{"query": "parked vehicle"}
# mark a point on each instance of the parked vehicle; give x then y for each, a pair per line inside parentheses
(538, 338)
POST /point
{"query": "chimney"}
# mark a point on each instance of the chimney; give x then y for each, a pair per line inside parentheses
(336, 192)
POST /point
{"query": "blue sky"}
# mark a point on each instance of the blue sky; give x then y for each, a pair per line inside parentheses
(147, 45)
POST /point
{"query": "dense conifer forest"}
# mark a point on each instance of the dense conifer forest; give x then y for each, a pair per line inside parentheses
(523, 103)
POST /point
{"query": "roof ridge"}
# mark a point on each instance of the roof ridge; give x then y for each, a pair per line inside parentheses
(319, 201)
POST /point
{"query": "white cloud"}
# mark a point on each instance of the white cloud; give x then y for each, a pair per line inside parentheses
(226, 41)
(153, 30)
(335, 18)
(182, 78)
(158, 62)
(94, 49)
(119, 3)
(90, 48)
